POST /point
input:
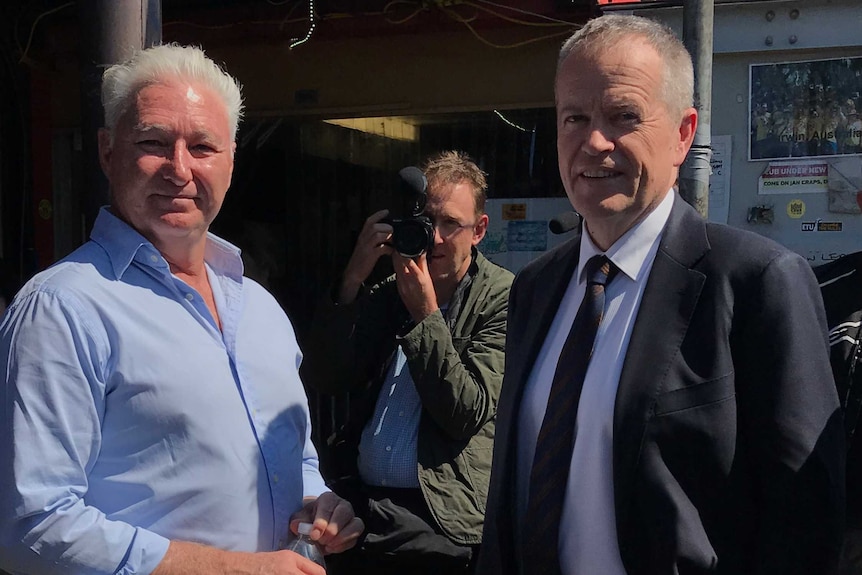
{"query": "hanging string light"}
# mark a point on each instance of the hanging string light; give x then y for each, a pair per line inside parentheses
(312, 24)
(532, 138)
(514, 125)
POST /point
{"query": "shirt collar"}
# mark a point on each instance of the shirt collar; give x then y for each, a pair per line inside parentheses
(629, 253)
(124, 244)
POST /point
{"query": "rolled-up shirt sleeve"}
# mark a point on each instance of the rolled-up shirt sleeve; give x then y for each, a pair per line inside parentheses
(53, 397)
(312, 482)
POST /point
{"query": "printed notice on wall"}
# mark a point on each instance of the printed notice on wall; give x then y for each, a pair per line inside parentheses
(719, 180)
(518, 229)
(800, 177)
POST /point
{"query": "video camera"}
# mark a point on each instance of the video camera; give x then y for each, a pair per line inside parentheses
(412, 232)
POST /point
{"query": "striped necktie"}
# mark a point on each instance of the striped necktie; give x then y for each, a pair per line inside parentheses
(550, 472)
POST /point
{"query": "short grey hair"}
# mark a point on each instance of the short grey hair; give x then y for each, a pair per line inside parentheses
(159, 64)
(606, 32)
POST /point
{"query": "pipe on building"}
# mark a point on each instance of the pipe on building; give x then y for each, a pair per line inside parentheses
(111, 30)
(697, 23)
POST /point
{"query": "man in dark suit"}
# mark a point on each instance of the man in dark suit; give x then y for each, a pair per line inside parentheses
(704, 434)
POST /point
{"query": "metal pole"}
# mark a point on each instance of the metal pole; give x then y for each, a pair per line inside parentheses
(152, 18)
(697, 23)
(112, 31)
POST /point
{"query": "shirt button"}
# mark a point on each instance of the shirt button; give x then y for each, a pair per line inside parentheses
(400, 414)
(388, 448)
(154, 258)
(383, 483)
(275, 478)
(190, 296)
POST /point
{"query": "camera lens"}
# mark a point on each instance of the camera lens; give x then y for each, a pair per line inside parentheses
(412, 237)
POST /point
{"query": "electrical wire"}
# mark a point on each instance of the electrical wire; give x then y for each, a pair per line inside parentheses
(419, 8)
(387, 12)
(286, 19)
(461, 18)
(554, 24)
(35, 23)
(487, 42)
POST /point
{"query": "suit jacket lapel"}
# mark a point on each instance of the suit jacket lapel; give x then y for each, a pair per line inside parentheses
(537, 314)
(669, 300)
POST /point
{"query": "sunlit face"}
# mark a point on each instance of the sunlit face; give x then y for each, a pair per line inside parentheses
(619, 147)
(170, 162)
(452, 207)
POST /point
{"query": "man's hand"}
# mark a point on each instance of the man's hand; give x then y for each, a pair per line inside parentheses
(284, 563)
(185, 558)
(335, 527)
(372, 243)
(415, 286)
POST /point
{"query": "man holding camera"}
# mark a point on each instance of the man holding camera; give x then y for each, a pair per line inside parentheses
(422, 352)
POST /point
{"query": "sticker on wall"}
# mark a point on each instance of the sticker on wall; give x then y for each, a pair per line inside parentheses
(800, 177)
(514, 212)
(820, 226)
(795, 209)
(829, 226)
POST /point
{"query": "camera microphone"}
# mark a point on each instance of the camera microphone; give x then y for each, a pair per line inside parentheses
(565, 222)
(413, 182)
(412, 231)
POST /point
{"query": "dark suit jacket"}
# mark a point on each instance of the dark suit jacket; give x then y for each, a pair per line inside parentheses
(728, 446)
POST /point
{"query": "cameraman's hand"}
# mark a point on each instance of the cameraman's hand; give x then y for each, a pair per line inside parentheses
(373, 242)
(415, 286)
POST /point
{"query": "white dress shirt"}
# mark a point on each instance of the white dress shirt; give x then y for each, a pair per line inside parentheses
(588, 537)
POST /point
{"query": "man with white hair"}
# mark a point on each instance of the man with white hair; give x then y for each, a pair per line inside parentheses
(154, 420)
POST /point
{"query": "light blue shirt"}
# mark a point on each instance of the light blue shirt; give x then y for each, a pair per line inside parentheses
(387, 448)
(129, 419)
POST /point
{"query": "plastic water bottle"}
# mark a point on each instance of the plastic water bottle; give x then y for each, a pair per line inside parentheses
(303, 545)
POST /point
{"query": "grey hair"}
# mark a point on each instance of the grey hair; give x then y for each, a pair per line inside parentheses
(122, 82)
(606, 32)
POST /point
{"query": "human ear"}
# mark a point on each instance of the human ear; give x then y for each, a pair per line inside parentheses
(686, 132)
(106, 148)
(480, 228)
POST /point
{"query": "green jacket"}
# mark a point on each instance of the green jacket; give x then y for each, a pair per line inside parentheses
(458, 375)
